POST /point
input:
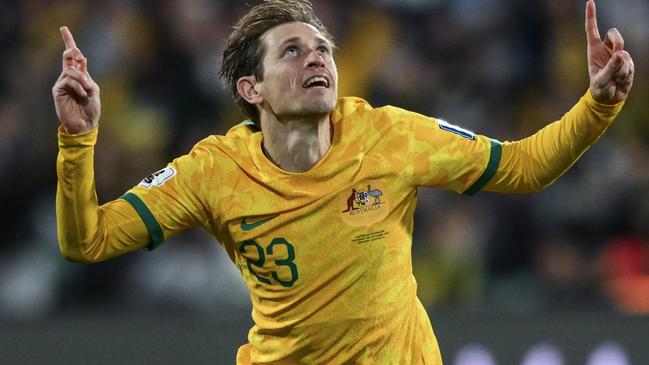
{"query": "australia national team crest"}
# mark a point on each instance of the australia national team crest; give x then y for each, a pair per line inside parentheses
(363, 205)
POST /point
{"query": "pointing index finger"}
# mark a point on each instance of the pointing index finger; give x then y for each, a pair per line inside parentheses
(592, 32)
(67, 38)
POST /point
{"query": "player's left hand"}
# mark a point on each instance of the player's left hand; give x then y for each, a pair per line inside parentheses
(610, 67)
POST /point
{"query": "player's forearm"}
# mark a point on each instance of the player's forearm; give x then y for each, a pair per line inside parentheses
(87, 232)
(76, 200)
(535, 162)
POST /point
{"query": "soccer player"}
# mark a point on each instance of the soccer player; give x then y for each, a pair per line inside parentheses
(313, 197)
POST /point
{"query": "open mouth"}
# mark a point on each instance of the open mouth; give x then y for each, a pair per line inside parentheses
(316, 82)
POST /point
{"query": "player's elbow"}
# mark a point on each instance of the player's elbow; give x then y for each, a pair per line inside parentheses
(534, 186)
(76, 259)
(530, 184)
(538, 180)
(517, 181)
(74, 256)
(72, 251)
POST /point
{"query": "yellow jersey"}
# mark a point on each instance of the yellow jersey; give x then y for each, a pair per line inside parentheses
(325, 254)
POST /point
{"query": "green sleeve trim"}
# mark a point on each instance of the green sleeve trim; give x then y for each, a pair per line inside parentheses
(155, 232)
(492, 166)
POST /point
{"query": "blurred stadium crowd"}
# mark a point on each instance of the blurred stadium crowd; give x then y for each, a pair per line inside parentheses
(502, 68)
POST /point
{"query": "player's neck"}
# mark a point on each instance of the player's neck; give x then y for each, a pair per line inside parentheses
(296, 145)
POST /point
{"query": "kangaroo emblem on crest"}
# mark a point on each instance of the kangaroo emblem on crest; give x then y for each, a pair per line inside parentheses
(362, 198)
(350, 202)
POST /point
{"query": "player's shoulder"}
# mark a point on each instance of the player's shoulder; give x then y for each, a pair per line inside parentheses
(243, 130)
(361, 114)
(353, 105)
(237, 137)
(349, 105)
(220, 149)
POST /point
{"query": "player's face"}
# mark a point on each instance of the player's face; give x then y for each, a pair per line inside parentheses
(300, 76)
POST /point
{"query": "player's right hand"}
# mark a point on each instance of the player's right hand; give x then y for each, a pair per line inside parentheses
(610, 67)
(76, 95)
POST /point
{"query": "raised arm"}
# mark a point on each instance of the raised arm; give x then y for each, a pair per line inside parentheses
(536, 161)
(86, 232)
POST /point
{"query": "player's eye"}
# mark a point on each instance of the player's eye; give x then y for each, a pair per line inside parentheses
(290, 51)
(324, 50)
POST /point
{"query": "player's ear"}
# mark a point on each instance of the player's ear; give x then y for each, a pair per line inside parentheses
(247, 87)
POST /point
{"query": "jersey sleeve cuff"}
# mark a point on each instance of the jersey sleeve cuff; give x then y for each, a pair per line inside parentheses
(608, 110)
(84, 139)
(155, 231)
(495, 154)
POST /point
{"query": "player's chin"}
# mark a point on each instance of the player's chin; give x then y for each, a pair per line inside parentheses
(329, 98)
(322, 105)
(322, 108)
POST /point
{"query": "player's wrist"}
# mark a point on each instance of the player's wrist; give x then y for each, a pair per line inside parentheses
(593, 101)
(76, 130)
(86, 138)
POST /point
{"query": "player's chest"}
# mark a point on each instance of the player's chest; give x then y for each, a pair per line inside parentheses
(287, 242)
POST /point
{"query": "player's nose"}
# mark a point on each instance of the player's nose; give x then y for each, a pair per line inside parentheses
(314, 59)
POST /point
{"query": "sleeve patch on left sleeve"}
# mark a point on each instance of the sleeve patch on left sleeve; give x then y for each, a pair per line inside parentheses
(158, 178)
(446, 126)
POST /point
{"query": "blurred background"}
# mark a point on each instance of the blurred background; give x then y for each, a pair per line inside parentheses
(558, 277)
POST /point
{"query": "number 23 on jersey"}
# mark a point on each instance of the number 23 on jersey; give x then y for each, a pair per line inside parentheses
(260, 261)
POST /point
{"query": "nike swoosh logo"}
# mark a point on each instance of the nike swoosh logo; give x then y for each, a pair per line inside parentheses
(245, 226)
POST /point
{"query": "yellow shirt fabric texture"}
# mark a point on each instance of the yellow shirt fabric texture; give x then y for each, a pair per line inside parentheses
(325, 254)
